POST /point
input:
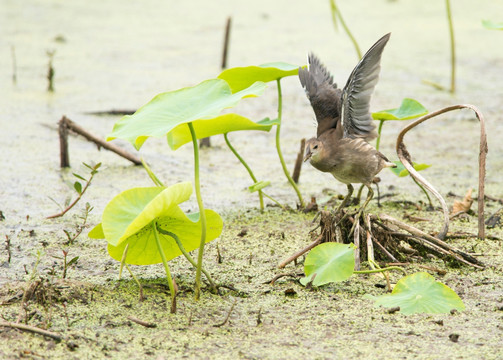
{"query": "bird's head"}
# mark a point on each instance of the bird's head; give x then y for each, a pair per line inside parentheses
(313, 150)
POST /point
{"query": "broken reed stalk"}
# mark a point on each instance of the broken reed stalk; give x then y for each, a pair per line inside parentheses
(69, 124)
(64, 155)
(301, 252)
(32, 329)
(406, 160)
(299, 161)
(50, 71)
(142, 322)
(370, 246)
(432, 241)
(206, 142)
(14, 65)
(374, 226)
(356, 242)
(225, 50)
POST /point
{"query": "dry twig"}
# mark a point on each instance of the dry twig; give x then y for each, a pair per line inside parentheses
(406, 160)
(141, 322)
(70, 125)
(32, 329)
(228, 315)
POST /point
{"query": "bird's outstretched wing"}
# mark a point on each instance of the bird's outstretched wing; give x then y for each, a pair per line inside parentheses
(322, 92)
(356, 119)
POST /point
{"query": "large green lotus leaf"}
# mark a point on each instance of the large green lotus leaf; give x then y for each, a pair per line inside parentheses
(409, 109)
(143, 249)
(401, 171)
(219, 125)
(168, 110)
(240, 78)
(133, 209)
(492, 25)
(420, 293)
(330, 262)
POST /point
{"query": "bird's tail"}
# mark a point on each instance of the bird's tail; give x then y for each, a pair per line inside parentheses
(389, 164)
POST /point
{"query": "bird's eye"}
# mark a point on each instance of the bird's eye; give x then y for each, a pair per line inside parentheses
(315, 147)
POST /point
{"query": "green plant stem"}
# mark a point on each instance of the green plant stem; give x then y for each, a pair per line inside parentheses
(187, 255)
(150, 173)
(379, 270)
(202, 214)
(424, 190)
(166, 268)
(337, 14)
(140, 287)
(276, 201)
(65, 265)
(378, 141)
(260, 195)
(453, 46)
(123, 260)
(278, 146)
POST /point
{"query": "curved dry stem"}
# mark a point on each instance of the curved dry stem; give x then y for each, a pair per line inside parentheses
(405, 158)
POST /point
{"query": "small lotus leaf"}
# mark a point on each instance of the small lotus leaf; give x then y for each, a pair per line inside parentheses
(401, 171)
(128, 219)
(240, 78)
(329, 262)
(143, 249)
(219, 125)
(168, 110)
(420, 293)
(133, 209)
(492, 25)
(409, 109)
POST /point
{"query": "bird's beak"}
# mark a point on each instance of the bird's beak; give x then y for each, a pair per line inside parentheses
(308, 154)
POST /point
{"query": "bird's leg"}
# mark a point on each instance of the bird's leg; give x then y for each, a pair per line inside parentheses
(376, 181)
(378, 195)
(346, 199)
(356, 200)
(370, 195)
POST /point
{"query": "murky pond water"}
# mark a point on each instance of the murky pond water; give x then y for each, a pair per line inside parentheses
(116, 56)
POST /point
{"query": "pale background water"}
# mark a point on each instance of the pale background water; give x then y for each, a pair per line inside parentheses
(119, 54)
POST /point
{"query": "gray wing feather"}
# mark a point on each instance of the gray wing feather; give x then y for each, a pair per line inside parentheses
(356, 118)
(322, 92)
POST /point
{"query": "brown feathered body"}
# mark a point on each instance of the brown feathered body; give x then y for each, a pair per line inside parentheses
(344, 122)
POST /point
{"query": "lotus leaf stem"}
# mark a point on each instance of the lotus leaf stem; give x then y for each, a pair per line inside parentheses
(378, 141)
(260, 195)
(187, 255)
(137, 282)
(276, 201)
(202, 214)
(151, 174)
(166, 267)
(425, 192)
(337, 14)
(278, 146)
(453, 46)
(380, 270)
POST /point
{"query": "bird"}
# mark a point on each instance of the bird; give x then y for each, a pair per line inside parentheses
(344, 123)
